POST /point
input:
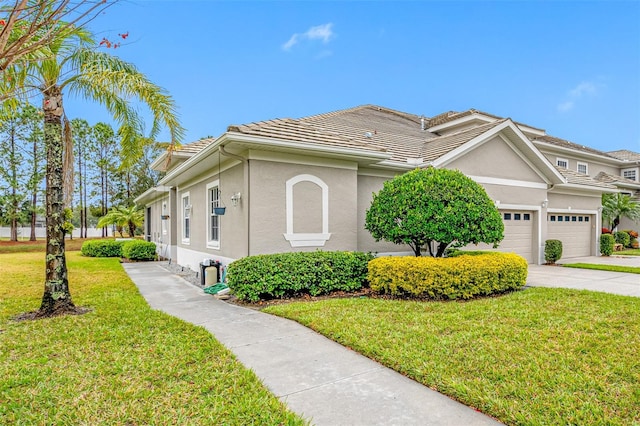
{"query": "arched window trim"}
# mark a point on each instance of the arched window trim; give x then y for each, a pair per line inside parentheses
(307, 239)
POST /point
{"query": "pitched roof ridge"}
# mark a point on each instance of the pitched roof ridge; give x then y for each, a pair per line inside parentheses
(409, 116)
(482, 127)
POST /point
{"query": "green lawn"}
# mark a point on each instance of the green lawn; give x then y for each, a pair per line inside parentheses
(533, 357)
(122, 363)
(599, 267)
(628, 252)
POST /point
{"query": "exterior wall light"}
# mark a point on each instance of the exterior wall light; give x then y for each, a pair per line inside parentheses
(545, 203)
(235, 198)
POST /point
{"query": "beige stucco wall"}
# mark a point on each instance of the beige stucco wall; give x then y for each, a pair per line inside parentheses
(496, 159)
(566, 201)
(160, 229)
(233, 234)
(593, 167)
(268, 206)
(367, 185)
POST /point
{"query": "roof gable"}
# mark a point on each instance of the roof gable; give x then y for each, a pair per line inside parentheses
(463, 143)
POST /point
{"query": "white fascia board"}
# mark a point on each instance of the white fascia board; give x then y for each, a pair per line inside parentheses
(532, 130)
(574, 187)
(150, 194)
(467, 118)
(478, 140)
(395, 165)
(157, 164)
(172, 178)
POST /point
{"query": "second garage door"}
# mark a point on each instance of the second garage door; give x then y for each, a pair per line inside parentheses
(575, 232)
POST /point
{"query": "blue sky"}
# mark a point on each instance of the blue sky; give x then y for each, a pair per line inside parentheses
(572, 68)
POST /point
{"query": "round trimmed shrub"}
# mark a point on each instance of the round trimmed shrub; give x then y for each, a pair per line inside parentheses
(607, 242)
(552, 250)
(622, 237)
(139, 250)
(102, 248)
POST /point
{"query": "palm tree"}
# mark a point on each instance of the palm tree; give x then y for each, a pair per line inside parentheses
(74, 66)
(130, 217)
(616, 206)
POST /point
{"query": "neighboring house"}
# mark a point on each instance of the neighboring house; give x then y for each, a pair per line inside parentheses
(305, 184)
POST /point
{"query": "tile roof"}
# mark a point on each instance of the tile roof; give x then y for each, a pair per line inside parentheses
(576, 178)
(566, 144)
(302, 132)
(625, 154)
(445, 117)
(436, 147)
(377, 129)
(453, 115)
(398, 133)
(613, 179)
(194, 147)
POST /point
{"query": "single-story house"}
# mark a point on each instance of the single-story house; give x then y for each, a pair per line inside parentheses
(305, 184)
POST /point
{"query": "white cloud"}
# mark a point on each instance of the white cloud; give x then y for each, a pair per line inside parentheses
(565, 106)
(319, 32)
(292, 41)
(585, 88)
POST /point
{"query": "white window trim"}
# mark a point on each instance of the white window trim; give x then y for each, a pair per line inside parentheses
(558, 160)
(212, 244)
(183, 217)
(586, 167)
(307, 239)
(632, 169)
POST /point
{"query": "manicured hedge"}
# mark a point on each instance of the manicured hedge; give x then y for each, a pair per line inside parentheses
(461, 277)
(102, 248)
(282, 275)
(607, 241)
(139, 250)
(622, 237)
(552, 250)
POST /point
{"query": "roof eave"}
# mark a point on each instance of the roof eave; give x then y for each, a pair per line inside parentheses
(585, 153)
(150, 194)
(585, 188)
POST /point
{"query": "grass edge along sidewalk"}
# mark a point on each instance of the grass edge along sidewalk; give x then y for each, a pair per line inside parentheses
(537, 356)
(122, 363)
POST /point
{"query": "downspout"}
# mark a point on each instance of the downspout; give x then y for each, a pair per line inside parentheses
(247, 191)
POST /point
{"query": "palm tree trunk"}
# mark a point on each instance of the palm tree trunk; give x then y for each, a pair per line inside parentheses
(56, 298)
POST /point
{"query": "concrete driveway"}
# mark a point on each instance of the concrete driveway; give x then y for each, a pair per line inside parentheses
(586, 279)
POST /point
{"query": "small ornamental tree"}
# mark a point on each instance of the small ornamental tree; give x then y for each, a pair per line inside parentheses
(434, 205)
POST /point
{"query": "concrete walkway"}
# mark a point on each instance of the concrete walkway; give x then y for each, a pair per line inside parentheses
(317, 378)
(587, 279)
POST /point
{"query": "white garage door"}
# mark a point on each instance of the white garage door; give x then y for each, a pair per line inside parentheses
(575, 232)
(518, 234)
